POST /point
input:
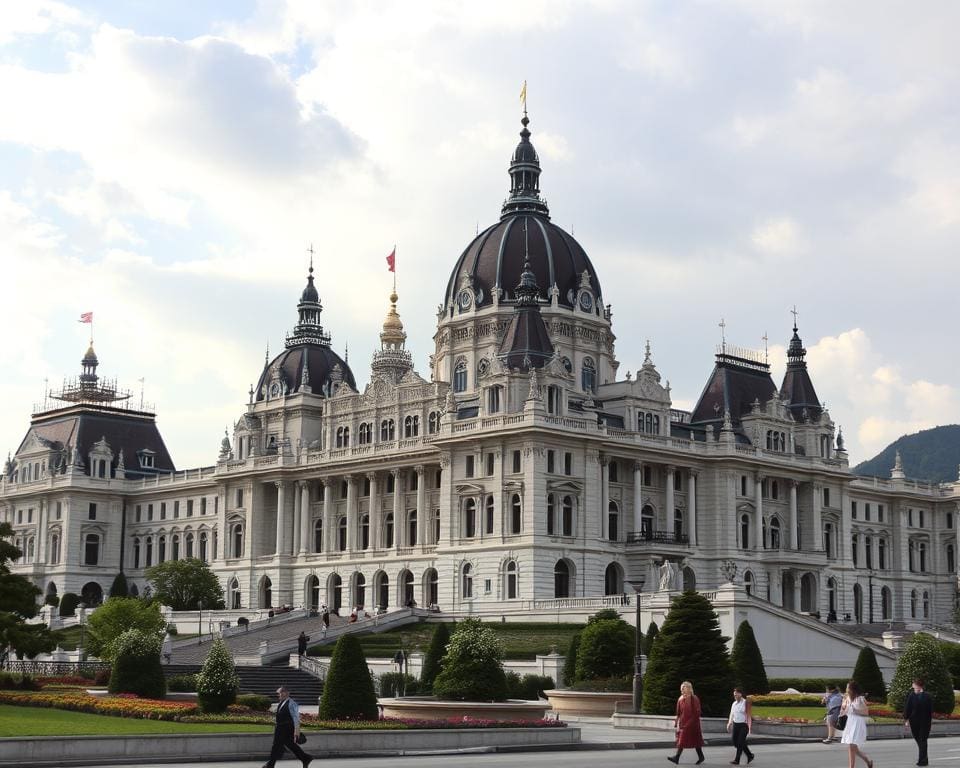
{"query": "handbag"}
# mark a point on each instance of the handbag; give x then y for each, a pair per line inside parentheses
(841, 722)
(302, 738)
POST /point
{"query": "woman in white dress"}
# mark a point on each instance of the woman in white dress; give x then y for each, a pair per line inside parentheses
(855, 733)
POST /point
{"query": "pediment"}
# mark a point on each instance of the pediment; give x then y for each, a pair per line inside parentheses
(565, 486)
(468, 489)
(35, 444)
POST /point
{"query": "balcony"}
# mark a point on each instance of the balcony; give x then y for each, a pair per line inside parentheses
(658, 537)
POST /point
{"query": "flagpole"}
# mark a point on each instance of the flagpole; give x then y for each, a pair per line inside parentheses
(394, 267)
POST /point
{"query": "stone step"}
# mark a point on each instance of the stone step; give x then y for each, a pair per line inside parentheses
(304, 688)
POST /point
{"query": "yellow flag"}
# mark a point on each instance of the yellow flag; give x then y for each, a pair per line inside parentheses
(523, 94)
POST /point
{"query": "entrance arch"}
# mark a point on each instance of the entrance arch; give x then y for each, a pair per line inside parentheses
(613, 580)
(689, 579)
(92, 594)
(808, 593)
(562, 579)
(359, 591)
(335, 592)
(381, 590)
(311, 593)
(405, 589)
(265, 592)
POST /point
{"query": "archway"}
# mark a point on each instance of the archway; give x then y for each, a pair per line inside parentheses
(51, 590)
(613, 580)
(381, 590)
(748, 582)
(562, 580)
(335, 592)
(788, 593)
(431, 587)
(265, 592)
(405, 596)
(311, 593)
(359, 591)
(808, 593)
(92, 594)
(233, 593)
(689, 579)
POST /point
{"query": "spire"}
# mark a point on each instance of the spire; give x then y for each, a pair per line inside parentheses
(524, 178)
(526, 343)
(797, 388)
(392, 361)
(308, 329)
(89, 366)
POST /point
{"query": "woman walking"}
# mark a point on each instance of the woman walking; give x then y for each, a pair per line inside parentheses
(740, 723)
(687, 723)
(855, 731)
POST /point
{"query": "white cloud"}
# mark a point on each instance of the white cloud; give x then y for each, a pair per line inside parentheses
(36, 17)
(777, 237)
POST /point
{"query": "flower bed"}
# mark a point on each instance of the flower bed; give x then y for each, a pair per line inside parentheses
(117, 706)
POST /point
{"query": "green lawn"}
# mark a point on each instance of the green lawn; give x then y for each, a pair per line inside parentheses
(813, 714)
(36, 721)
(520, 640)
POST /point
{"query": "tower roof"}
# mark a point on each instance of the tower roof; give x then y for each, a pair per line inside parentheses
(526, 344)
(797, 388)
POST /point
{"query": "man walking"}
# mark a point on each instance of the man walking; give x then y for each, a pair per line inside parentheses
(918, 714)
(287, 730)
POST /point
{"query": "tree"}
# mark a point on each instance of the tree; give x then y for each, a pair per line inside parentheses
(136, 665)
(747, 662)
(348, 691)
(472, 669)
(18, 603)
(570, 660)
(69, 603)
(689, 647)
(217, 680)
(182, 584)
(867, 673)
(114, 617)
(922, 658)
(652, 631)
(606, 649)
(119, 586)
(431, 663)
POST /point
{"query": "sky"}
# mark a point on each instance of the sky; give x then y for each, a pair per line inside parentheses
(168, 165)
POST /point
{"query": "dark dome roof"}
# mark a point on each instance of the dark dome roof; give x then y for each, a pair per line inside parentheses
(321, 374)
(495, 260)
(310, 290)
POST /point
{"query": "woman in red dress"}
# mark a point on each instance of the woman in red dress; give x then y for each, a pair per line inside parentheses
(687, 723)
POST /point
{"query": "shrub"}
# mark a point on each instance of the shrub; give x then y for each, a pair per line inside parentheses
(605, 685)
(69, 603)
(398, 684)
(182, 683)
(348, 692)
(570, 662)
(691, 647)
(10, 681)
(951, 655)
(747, 662)
(172, 630)
(868, 675)
(606, 649)
(431, 662)
(117, 615)
(652, 631)
(136, 665)
(513, 684)
(922, 658)
(53, 600)
(100, 676)
(254, 701)
(119, 586)
(531, 686)
(805, 684)
(472, 669)
(217, 681)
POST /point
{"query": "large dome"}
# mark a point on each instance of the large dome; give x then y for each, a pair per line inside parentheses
(285, 374)
(493, 262)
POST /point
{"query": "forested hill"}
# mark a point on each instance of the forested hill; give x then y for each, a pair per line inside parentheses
(933, 455)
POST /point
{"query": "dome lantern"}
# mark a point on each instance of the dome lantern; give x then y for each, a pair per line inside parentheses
(524, 179)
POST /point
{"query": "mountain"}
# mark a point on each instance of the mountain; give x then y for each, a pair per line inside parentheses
(933, 455)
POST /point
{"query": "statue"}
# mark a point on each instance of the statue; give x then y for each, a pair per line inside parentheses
(667, 576)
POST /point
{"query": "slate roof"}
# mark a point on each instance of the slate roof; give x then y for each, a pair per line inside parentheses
(734, 385)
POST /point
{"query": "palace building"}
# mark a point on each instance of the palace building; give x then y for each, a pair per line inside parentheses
(521, 468)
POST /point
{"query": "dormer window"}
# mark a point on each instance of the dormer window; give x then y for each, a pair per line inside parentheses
(588, 376)
(146, 457)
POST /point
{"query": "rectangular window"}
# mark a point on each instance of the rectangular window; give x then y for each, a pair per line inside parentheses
(910, 517)
(743, 484)
(866, 512)
(176, 509)
(490, 464)
(92, 511)
(139, 512)
(30, 515)
(921, 517)
(19, 516)
(366, 486)
(487, 586)
(216, 504)
(568, 463)
(239, 497)
(60, 509)
(826, 497)
(189, 507)
(203, 505)
(414, 481)
(880, 512)
(468, 466)
(949, 518)
(516, 462)
(853, 510)
(439, 477)
(550, 461)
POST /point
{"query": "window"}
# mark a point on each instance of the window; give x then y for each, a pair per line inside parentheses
(467, 580)
(493, 399)
(136, 553)
(161, 549)
(343, 437)
(826, 497)
(949, 517)
(647, 475)
(922, 551)
(203, 546)
(517, 466)
(91, 513)
(342, 534)
(188, 545)
(854, 546)
(388, 530)
(880, 512)
(613, 471)
(433, 422)
(176, 506)
(139, 512)
(868, 551)
(882, 554)
(745, 531)
(828, 539)
(54, 549)
(468, 466)
(411, 426)
(490, 464)
(412, 528)
(568, 463)
(91, 549)
(365, 532)
(460, 376)
(203, 505)
(511, 579)
(318, 535)
(551, 512)
(553, 400)
(774, 534)
(516, 513)
(920, 516)
(148, 557)
(388, 430)
(866, 512)
(391, 484)
(189, 507)
(469, 518)
(648, 423)
(366, 433)
(436, 526)
(414, 481)
(588, 375)
(175, 547)
(853, 510)
(646, 522)
(561, 579)
(910, 517)
(613, 521)
(567, 513)
(951, 559)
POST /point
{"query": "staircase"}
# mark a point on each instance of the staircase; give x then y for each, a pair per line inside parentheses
(304, 688)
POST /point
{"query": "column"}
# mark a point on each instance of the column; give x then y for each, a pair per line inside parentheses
(375, 512)
(758, 514)
(296, 516)
(40, 549)
(637, 498)
(423, 514)
(604, 496)
(352, 517)
(329, 532)
(794, 542)
(670, 504)
(843, 537)
(397, 508)
(281, 517)
(692, 505)
(306, 518)
(817, 518)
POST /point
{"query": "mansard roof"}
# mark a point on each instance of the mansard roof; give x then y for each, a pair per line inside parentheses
(736, 382)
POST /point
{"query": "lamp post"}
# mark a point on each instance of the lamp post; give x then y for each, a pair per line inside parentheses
(82, 607)
(637, 656)
(870, 591)
(200, 622)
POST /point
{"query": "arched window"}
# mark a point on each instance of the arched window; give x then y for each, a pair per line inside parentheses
(433, 422)
(613, 580)
(926, 604)
(913, 603)
(91, 549)
(388, 430)
(161, 549)
(951, 559)
(774, 533)
(868, 551)
(318, 535)
(855, 548)
(233, 593)
(175, 547)
(469, 518)
(677, 524)
(646, 522)
(411, 426)
(613, 521)
(745, 531)
(388, 530)
(561, 579)
(551, 513)
(203, 546)
(365, 532)
(748, 582)
(436, 526)
(489, 515)
(828, 539)
(588, 375)
(412, 528)
(831, 599)
(516, 513)
(467, 580)
(431, 582)
(922, 549)
(31, 547)
(366, 433)
(342, 534)
(237, 540)
(136, 552)
(886, 603)
(460, 376)
(188, 545)
(567, 513)
(148, 557)
(511, 579)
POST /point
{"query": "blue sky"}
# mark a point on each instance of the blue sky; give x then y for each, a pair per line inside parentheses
(166, 165)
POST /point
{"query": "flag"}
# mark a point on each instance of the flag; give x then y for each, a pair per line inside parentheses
(392, 260)
(86, 317)
(523, 94)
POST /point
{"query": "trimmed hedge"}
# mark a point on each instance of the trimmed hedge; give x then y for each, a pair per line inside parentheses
(528, 687)
(254, 701)
(182, 683)
(398, 684)
(805, 684)
(604, 685)
(922, 658)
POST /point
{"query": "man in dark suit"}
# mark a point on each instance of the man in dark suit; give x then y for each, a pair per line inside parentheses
(918, 714)
(287, 730)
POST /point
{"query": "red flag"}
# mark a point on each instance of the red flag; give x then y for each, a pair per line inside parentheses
(86, 317)
(392, 260)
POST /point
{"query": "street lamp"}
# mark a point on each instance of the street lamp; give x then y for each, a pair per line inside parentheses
(637, 656)
(82, 607)
(200, 622)
(870, 591)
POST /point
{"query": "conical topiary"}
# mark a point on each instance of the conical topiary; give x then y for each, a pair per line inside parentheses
(652, 631)
(922, 658)
(431, 662)
(119, 586)
(348, 691)
(868, 675)
(690, 647)
(747, 662)
(217, 680)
